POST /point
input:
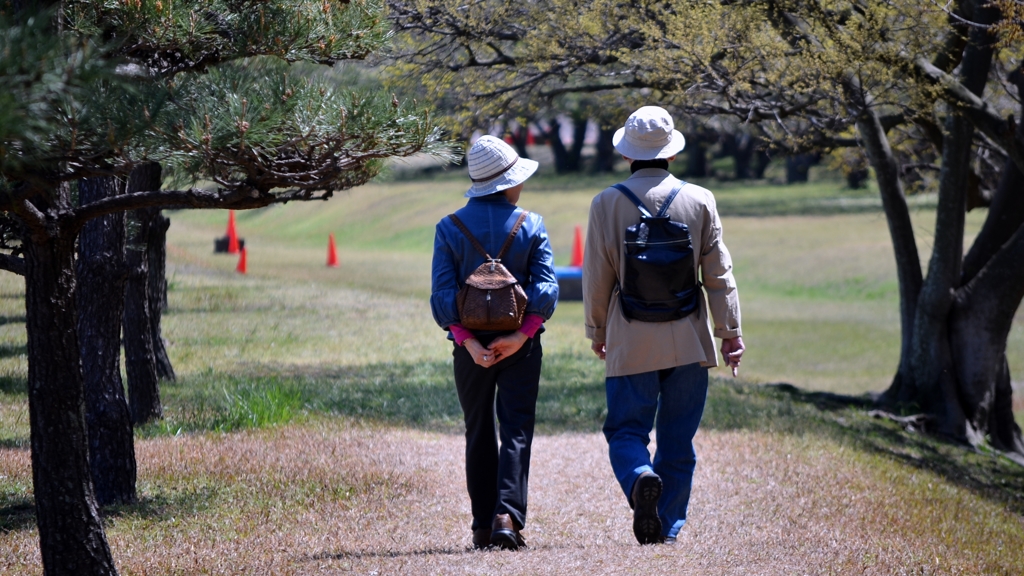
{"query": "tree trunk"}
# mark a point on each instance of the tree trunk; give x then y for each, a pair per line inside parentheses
(140, 360)
(953, 364)
(100, 302)
(697, 157)
(519, 136)
(901, 231)
(574, 161)
(761, 161)
(71, 535)
(558, 150)
(743, 154)
(935, 383)
(156, 290)
(798, 167)
(979, 324)
(604, 159)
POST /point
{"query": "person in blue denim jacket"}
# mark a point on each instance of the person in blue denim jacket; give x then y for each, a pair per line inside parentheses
(496, 373)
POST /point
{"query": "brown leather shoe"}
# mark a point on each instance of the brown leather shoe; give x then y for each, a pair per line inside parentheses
(481, 538)
(504, 534)
(646, 522)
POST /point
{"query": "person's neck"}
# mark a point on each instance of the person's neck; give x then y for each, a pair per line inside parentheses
(641, 164)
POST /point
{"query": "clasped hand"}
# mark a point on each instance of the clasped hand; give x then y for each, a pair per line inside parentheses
(500, 348)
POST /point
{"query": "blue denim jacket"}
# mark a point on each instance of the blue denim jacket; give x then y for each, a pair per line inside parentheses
(490, 219)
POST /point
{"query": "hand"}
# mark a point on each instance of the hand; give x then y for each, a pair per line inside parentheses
(732, 351)
(482, 356)
(505, 346)
(599, 349)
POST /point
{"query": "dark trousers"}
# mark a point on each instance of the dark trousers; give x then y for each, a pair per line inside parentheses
(497, 476)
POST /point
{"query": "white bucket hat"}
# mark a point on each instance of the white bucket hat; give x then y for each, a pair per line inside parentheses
(494, 166)
(649, 134)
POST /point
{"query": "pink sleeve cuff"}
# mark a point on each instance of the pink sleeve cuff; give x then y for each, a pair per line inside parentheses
(460, 333)
(531, 323)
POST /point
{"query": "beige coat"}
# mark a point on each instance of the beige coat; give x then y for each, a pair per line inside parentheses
(634, 346)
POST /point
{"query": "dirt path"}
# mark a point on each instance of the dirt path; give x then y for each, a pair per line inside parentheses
(337, 498)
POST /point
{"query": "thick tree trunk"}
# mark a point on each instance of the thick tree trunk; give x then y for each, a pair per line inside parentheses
(934, 376)
(140, 361)
(156, 289)
(979, 325)
(100, 302)
(71, 535)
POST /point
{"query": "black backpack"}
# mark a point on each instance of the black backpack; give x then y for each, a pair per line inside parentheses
(659, 283)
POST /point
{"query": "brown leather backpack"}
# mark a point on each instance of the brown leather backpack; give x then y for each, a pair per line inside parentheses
(491, 297)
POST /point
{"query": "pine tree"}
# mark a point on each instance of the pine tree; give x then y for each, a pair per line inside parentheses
(94, 89)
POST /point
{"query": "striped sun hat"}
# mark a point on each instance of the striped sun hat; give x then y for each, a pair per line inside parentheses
(494, 166)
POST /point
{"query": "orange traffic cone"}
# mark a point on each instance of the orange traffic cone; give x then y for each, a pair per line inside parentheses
(577, 248)
(242, 265)
(232, 234)
(332, 253)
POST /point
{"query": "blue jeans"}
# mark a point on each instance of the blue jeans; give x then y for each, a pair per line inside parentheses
(677, 396)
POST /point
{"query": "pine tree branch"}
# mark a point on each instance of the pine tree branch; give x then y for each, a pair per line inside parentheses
(234, 199)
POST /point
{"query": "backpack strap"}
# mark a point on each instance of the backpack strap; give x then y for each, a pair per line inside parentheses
(671, 197)
(469, 235)
(512, 234)
(640, 205)
(632, 197)
(476, 243)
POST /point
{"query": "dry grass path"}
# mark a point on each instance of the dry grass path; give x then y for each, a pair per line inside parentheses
(336, 497)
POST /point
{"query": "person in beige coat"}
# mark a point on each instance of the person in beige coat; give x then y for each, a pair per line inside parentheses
(656, 369)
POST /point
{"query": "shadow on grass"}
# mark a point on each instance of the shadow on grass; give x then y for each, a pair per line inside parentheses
(19, 513)
(14, 385)
(18, 319)
(165, 504)
(785, 409)
(418, 395)
(13, 350)
(422, 396)
(15, 444)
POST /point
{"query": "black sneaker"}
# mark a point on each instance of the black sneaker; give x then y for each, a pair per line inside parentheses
(646, 523)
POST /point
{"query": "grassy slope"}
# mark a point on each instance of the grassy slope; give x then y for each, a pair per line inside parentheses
(788, 480)
(817, 277)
